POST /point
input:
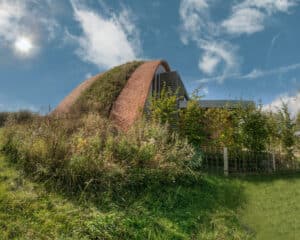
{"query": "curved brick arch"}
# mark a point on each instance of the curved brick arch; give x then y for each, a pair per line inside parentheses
(130, 103)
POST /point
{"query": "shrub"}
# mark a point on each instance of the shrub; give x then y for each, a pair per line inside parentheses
(163, 107)
(3, 118)
(192, 123)
(22, 116)
(90, 151)
(254, 130)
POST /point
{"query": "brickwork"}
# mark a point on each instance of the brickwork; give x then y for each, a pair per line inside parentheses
(131, 101)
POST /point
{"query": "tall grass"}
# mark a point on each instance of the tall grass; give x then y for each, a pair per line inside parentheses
(19, 117)
(90, 151)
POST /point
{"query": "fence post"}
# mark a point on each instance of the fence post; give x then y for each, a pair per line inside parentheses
(225, 155)
(273, 161)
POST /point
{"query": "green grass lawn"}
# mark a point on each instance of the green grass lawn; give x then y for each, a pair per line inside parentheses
(272, 209)
(213, 208)
(31, 210)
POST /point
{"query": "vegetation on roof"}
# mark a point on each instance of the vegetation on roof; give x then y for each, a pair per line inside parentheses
(100, 97)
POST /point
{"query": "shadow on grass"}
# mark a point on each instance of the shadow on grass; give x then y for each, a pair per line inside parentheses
(180, 209)
(147, 206)
(264, 178)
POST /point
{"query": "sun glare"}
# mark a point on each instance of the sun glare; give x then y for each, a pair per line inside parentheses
(23, 45)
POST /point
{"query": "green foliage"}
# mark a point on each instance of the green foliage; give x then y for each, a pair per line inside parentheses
(298, 121)
(22, 116)
(210, 208)
(220, 126)
(100, 97)
(89, 150)
(273, 130)
(254, 129)
(163, 107)
(287, 130)
(192, 122)
(200, 209)
(238, 128)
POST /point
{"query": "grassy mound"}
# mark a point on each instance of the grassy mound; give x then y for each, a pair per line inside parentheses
(88, 151)
(203, 210)
(83, 179)
(210, 208)
(104, 91)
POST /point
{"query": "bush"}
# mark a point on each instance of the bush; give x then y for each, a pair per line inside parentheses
(254, 130)
(91, 151)
(22, 116)
(3, 118)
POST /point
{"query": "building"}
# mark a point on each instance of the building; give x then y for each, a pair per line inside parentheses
(146, 81)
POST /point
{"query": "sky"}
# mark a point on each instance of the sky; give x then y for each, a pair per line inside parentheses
(233, 49)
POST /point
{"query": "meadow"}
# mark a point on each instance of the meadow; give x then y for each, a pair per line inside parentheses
(213, 207)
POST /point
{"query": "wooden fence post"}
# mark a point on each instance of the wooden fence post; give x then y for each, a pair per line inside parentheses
(274, 162)
(225, 155)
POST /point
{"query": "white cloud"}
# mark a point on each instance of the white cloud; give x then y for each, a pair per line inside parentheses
(28, 18)
(195, 19)
(293, 103)
(197, 27)
(245, 20)
(254, 74)
(208, 63)
(106, 41)
(270, 6)
(11, 14)
(219, 55)
(250, 16)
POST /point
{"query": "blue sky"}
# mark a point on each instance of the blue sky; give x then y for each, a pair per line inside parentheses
(233, 49)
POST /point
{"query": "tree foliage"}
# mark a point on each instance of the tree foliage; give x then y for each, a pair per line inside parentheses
(163, 107)
(254, 128)
(298, 121)
(248, 128)
(192, 123)
(287, 130)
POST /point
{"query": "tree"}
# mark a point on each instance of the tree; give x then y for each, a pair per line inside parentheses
(192, 121)
(298, 122)
(287, 131)
(273, 125)
(219, 124)
(254, 128)
(163, 107)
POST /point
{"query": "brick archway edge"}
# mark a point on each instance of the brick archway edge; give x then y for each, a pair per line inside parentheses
(130, 103)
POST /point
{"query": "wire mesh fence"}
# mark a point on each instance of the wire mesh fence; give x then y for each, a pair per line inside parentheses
(221, 160)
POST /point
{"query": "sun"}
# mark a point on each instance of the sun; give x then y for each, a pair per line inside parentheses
(23, 45)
